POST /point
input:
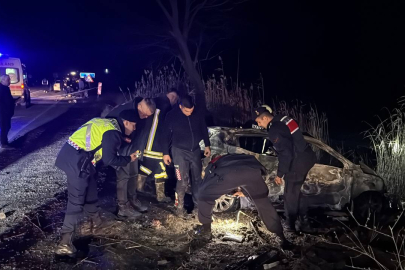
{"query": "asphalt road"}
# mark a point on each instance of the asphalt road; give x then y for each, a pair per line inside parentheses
(45, 108)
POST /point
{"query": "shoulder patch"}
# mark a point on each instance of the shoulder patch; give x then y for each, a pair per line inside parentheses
(290, 123)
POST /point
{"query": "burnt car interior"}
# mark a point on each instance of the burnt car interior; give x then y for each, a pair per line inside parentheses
(263, 146)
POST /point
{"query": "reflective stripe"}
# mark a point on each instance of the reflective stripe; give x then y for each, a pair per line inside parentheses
(114, 122)
(162, 166)
(88, 137)
(157, 154)
(145, 170)
(150, 156)
(153, 130)
(161, 175)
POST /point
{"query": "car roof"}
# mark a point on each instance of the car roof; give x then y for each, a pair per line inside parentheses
(253, 132)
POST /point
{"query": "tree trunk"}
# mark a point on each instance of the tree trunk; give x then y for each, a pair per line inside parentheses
(190, 68)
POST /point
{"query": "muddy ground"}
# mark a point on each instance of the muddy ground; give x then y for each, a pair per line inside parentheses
(33, 198)
(158, 240)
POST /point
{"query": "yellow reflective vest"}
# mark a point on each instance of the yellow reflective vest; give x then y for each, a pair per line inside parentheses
(89, 136)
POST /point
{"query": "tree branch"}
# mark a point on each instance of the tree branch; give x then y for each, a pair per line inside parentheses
(194, 12)
(175, 12)
(166, 12)
(197, 50)
(186, 17)
(212, 46)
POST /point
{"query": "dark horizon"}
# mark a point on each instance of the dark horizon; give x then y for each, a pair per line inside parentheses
(347, 58)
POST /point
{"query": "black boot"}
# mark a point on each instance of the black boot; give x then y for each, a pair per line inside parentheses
(203, 232)
(102, 226)
(305, 225)
(126, 211)
(137, 205)
(290, 225)
(65, 246)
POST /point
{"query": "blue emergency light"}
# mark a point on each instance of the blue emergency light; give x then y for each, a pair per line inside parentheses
(1, 54)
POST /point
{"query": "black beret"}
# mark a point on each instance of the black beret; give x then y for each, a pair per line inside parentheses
(129, 115)
(260, 110)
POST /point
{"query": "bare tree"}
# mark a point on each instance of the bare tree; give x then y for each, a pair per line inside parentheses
(181, 15)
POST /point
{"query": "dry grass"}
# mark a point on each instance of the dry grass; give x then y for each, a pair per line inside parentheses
(388, 142)
(229, 101)
(229, 104)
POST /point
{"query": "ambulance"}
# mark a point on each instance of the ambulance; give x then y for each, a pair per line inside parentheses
(18, 77)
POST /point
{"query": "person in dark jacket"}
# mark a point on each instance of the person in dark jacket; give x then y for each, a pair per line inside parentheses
(295, 157)
(226, 173)
(185, 128)
(129, 207)
(7, 107)
(96, 141)
(152, 163)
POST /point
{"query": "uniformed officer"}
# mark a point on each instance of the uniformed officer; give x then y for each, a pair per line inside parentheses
(152, 163)
(129, 207)
(97, 140)
(295, 158)
(226, 173)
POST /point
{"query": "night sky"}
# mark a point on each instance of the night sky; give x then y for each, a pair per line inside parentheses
(347, 57)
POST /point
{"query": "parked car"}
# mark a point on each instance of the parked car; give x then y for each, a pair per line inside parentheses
(333, 183)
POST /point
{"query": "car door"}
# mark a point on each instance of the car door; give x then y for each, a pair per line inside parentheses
(328, 183)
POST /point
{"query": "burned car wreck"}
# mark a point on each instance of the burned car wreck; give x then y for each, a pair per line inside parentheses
(332, 184)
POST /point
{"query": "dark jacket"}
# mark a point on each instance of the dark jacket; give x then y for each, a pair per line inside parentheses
(136, 144)
(7, 104)
(111, 144)
(164, 106)
(231, 162)
(184, 132)
(287, 140)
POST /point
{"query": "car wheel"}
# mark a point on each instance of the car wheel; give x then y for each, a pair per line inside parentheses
(226, 203)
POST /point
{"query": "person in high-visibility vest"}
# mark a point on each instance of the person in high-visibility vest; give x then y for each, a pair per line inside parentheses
(97, 140)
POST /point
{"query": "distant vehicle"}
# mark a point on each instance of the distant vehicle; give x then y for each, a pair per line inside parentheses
(18, 75)
(45, 82)
(57, 86)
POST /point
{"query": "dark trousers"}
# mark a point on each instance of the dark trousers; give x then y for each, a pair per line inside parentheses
(184, 163)
(5, 128)
(252, 182)
(82, 200)
(126, 182)
(154, 168)
(294, 204)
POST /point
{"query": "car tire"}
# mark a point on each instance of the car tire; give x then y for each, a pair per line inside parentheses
(226, 204)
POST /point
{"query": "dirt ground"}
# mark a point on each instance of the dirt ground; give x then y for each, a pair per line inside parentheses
(33, 199)
(158, 240)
